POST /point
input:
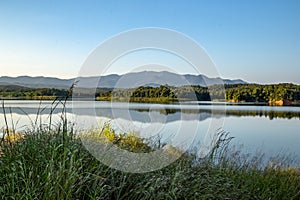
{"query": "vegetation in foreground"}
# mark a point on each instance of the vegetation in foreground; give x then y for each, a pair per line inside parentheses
(52, 163)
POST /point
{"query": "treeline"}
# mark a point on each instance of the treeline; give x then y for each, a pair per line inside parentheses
(19, 92)
(163, 93)
(274, 94)
(280, 93)
(284, 93)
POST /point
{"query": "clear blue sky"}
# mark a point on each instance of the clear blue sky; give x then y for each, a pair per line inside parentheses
(258, 41)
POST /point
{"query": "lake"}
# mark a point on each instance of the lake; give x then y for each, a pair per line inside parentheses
(266, 129)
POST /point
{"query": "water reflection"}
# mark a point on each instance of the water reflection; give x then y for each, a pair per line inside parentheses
(140, 112)
(271, 129)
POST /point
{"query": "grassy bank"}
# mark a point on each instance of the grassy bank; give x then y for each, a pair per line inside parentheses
(53, 164)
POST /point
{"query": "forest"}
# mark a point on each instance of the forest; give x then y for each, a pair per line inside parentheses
(20, 92)
(283, 93)
(273, 94)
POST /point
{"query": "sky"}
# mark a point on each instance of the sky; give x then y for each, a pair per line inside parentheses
(257, 41)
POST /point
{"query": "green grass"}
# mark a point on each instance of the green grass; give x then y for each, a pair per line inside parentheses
(53, 164)
(50, 162)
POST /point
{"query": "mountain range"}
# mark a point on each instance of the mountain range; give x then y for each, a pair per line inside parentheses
(129, 80)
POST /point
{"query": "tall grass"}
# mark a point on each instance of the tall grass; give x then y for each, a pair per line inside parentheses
(50, 162)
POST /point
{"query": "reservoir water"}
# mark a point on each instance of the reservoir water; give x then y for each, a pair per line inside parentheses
(255, 128)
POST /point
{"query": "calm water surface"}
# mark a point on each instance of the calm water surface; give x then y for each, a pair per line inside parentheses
(266, 129)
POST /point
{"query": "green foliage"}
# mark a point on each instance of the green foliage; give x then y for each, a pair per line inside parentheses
(263, 93)
(19, 92)
(50, 162)
(236, 93)
(128, 141)
(164, 93)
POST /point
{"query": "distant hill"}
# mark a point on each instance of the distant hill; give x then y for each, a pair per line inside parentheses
(129, 80)
(36, 82)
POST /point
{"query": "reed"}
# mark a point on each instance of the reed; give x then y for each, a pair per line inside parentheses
(50, 162)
